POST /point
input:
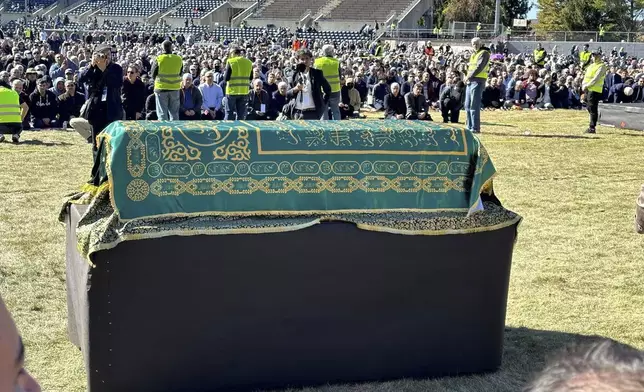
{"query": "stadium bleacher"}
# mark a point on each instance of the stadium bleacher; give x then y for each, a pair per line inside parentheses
(366, 9)
(18, 6)
(196, 8)
(137, 8)
(289, 9)
(87, 6)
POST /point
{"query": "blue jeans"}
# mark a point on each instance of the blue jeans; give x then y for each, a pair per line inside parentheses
(473, 95)
(236, 104)
(334, 103)
(167, 105)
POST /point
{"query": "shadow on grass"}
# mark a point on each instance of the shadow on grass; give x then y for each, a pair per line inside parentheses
(498, 124)
(525, 353)
(539, 136)
(35, 142)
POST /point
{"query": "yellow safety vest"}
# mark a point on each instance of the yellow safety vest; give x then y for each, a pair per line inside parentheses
(601, 32)
(590, 74)
(584, 56)
(378, 52)
(478, 27)
(541, 55)
(474, 59)
(169, 76)
(240, 76)
(9, 107)
(329, 67)
(508, 31)
(435, 30)
(28, 33)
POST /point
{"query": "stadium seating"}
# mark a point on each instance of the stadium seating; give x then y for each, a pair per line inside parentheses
(332, 36)
(87, 6)
(196, 8)
(136, 8)
(17, 6)
(366, 9)
(289, 9)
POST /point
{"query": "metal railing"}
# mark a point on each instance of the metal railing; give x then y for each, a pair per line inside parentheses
(517, 35)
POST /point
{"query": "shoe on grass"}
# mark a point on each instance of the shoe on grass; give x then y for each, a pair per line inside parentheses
(2, 138)
(590, 130)
(15, 138)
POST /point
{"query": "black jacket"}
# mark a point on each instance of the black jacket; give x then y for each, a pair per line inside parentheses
(394, 105)
(70, 106)
(97, 80)
(133, 96)
(320, 89)
(43, 106)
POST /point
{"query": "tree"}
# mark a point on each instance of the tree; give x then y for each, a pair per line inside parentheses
(483, 10)
(585, 15)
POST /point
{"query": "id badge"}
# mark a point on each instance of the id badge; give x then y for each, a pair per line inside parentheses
(104, 96)
(262, 108)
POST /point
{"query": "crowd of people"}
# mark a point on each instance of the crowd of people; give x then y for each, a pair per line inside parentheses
(50, 71)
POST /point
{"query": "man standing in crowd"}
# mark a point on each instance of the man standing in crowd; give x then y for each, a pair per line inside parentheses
(310, 89)
(133, 95)
(540, 55)
(330, 67)
(475, 80)
(13, 376)
(10, 114)
(239, 73)
(190, 99)
(593, 86)
(584, 57)
(166, 71)
(212, 96)
(104, 80)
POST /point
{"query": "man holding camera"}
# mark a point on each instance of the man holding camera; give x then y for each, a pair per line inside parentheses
(104, 80)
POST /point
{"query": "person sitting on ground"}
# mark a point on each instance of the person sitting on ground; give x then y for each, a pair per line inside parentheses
(278, 100)
(13, 376)
(491, 98)
(545, 94)
(151, 108)
(408, 85)
(350, 100)
(258, 101)
(380, 90)
(603, 366)
(69, 103)
(451, 101)
(515, 99)
(59, 87)
(43, 106)
(531, 87)
(395, 107)
(190, 100)
(416, 104)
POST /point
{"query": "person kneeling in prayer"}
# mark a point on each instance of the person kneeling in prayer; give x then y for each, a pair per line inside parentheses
(416, 104)
(451, 101)
(350, 100)
(258, 101)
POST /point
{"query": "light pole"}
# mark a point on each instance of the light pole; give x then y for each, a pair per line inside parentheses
(497, 17)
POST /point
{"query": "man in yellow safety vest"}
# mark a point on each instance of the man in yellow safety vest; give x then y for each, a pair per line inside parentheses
(593, 87)
(166, 72)
(584, 57)
(476, 76)
(478, 28)
(540, 55)
(330, 67)
(10, 114)
(238, 75)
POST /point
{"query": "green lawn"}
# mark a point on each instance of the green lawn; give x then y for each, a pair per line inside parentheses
(578, 265)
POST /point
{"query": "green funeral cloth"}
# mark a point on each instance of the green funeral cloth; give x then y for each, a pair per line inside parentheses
(100, 228)
(244, 168)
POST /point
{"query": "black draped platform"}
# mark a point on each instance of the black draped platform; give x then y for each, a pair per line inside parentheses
(326, 304)
(623, 115)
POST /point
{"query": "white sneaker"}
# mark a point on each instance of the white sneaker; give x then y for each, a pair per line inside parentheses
(15, 138)
(2, 138)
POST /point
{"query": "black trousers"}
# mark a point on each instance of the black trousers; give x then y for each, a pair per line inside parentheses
(196, 116)
(10, 129)
(305, 115)
(450, 114)
(592, 104)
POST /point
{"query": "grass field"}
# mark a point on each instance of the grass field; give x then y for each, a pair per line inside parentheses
(578, 265)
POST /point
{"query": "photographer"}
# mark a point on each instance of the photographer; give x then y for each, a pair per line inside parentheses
(104, 80)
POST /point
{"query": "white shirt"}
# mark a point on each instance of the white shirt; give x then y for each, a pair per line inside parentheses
(305, 99)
